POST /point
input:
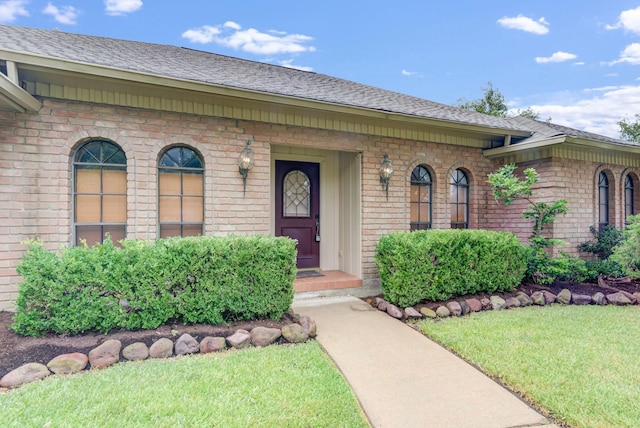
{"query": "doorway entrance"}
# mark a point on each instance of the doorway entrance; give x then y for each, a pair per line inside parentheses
(297, 214)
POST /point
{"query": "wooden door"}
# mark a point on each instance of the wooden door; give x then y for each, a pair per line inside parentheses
(298, 208)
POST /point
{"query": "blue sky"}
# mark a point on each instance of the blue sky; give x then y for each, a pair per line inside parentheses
(577, 62)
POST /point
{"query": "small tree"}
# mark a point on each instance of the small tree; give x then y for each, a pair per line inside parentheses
(630, 131)
(507, 187)
(491, 103)
(627, 252)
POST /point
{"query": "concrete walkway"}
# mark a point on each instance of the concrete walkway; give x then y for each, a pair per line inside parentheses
(403, 379)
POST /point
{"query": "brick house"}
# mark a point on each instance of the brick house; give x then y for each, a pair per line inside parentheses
(143, 141)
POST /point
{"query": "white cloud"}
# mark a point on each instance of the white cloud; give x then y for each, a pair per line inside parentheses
(556, 57)
(204, 34)
(10, 10)
(231, 35)
(628, 20)
(596, 110)
(409, 73)
(630, 55)
(521, 22)
(121, 7)
(289, 64)
(64, 14)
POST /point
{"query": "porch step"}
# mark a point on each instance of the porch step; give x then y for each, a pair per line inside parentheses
(330, 280)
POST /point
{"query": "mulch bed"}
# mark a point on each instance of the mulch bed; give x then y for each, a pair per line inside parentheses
(16, 350)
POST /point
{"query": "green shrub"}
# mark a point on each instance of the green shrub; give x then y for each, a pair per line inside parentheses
(438, 264)
(603, 242)
(627, 253)
(145, 284)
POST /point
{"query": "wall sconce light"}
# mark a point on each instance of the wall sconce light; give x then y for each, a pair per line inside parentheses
(386, 171)
(245, 163)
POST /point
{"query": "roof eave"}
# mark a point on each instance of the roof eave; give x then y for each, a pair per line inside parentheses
(14, 98)
(34, 62)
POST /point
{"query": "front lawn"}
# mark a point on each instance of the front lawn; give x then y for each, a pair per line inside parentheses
(580, 363)
(276, 386)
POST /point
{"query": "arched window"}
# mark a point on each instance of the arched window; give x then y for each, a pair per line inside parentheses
(420, 199)
(99, 192)
(628, 197)
(603, 201)
(459, 194)
(181, 192)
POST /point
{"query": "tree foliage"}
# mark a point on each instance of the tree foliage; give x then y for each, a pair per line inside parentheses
(630, 130)
(491, 103)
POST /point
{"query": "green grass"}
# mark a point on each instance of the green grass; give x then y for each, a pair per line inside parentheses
(276, 386)
(579, 363)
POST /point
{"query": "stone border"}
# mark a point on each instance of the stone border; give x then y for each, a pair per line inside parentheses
(110, 351)
(495, 302)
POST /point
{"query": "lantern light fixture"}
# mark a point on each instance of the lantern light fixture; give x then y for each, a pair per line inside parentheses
(245, 163)
(386, 171)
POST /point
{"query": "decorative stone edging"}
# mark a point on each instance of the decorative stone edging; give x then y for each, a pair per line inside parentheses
(109, 352)
(495, 302)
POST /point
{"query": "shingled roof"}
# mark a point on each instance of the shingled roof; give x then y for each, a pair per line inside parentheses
(209, 68)
(546, 130)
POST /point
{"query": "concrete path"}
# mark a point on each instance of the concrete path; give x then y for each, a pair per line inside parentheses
(403, 379)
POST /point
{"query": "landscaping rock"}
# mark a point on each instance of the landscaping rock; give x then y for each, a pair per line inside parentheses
(538, 298)
(428, 312)
(136, 351)
(443, 312)
(294, 333)
(549, 297)
(630, 296)
(242, 338)
(412, 313)
(24, 374)
(213, 344)
(308, 325)
(68, 363)
(637, 296)
(581, 299)
(465, 307)
(524, 299)
(264, 336)
(394, 311)
(162, 348)
(564, 296)
(618, 299)
(381, 304)
(599, 299)
(106, 354)
(474, 304)
(497, 302)
(186, 344)
(454, 308)
(486, 303)
(511, 302)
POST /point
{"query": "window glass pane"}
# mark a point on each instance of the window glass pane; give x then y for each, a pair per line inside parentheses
(117, 233)
(170, 208)
(170, 183)
(297, 195)
(424, 212)
(192, 209)
(87, 180)
(171, 157)
(168, 230)
(87, 208)
(114, 181)
(91, 234)
(114, 209)
(415, 212)
(192, 184)
(191, 230)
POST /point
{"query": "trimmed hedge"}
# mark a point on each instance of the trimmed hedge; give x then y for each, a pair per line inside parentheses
(436, 265)
(143, 285)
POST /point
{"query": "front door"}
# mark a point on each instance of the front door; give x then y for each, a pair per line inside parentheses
(298, 208)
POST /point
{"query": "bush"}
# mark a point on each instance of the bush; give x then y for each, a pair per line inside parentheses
(438, 264)
(627, 253)
(144, 285)
(603, 242)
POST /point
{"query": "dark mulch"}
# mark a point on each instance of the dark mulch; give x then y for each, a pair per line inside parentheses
(16, 350)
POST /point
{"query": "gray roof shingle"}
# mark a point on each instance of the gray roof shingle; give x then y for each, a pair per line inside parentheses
(205, 67)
